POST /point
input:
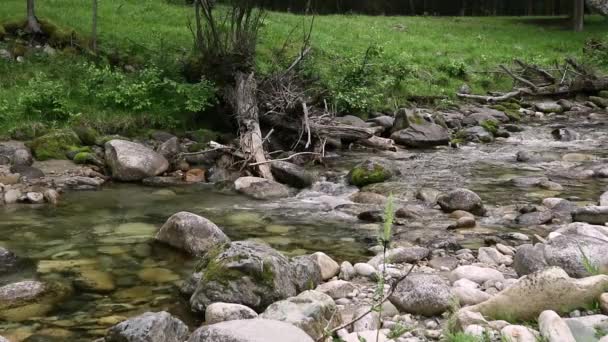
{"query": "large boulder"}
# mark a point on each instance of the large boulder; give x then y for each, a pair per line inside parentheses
(221, 312)
(329, 267)
(422, 294)
(129, 161)
(23, 300)
(368, 172)
(311, 311)
(551, 289)
(291, 174)
(246, 272)
(260, 188)
(575, 249)
(191, 233)
(149, 327)
(461, 199)
(250, 330)
(424, 134)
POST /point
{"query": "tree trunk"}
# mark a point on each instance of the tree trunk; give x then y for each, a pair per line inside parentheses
(33, 26)
(246, 107)
(578, 15)
(94, 28)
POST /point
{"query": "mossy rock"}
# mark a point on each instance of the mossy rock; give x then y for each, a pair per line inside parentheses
(101, 141)
(74, 150)
(368, 172)
(87, 158)
(599, 101)
(29, 131)
(54, 145)
(203, 136)
(490, 125)
(604, 94)
(13, 26)
(2, 32)
(87, 135)
(196, 147)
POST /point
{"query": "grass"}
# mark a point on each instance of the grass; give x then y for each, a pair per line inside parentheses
(436, 55)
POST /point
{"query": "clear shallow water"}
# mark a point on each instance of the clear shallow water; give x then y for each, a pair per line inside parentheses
(110, 231)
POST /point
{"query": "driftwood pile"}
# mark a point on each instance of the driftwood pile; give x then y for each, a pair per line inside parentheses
(568, 79)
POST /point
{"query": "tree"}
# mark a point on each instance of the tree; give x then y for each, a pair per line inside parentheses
(578, 15)
(33, 25)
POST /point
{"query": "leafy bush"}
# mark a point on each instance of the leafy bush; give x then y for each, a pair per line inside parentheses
(454, 69)
(45, 99)
(596, 51)
(361, 85)
(146, 90)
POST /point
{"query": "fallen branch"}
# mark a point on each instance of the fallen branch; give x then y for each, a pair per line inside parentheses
(285, 159)
(491, 99)
(518, 78)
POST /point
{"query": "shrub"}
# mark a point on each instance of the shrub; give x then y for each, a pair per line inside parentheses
(45, 99)
(454, 69)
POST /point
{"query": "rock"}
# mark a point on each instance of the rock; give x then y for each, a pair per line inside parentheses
(291, 174)
(422, 294)
(383, 121)
(8, 261)
(518, 333)
(347, 271)
(366, 270)
(83, 158)
(369, 335)
(599, 101)
(469, 296)
(564, 251)
(586, 328)
(461, 199)
(534, 218)
(191, 233)
(368, 172)
(351, 120)
(306, 272)
(12, 196)
(329, 268)
(428, 196)
(401, 255)
(23, 157)
(221, 312)
(565, 134)
(149, 327)
(370, 321)
(604, 199)
(23, 300)
(54, 145)
(34, 197)
(260, 188)
(477, 134)
(464, 318)
(466, 222)
(251, 330)
(311, 311)
(422, 135)
(475, 330)
(336, 289)
(548, 107)
(94, 281)
(591, 214)
(129, 161)
(371, 216)
(169, 148)
(553, 328)
(604, 303)
(550, 289)
(491, 256)
(475, 273)
(87, 135)
(27, 171)
(246, 272)
(195, 176)
(364, 197)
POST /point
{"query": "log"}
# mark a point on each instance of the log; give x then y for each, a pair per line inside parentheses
(246, 107)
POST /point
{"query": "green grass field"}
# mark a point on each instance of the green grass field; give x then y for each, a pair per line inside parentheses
(435, 55)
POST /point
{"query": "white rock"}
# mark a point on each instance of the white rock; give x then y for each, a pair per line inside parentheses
(466, 283)
(329, 268)
(129, 161)
(221, 312)
(369, 335)
(475, 273)
(365, 270)
(604, 199)
(470, 296)
(518, 333)
(553, 328)
(475, 330)
(506, 250)
(35, 197)
(336, 289)
(491, 256)
(347, 271)
(371, 321)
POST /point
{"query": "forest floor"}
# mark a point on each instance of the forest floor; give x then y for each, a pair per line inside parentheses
(405, 57)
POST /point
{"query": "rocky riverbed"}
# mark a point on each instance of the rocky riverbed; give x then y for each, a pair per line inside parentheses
(505, 236)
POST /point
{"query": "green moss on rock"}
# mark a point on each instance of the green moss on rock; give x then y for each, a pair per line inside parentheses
(28, 131)
(367, 173)
(490, 125)
(604, 94)
(101, 141)
(84, 158)
(87, 135)
(54, 145)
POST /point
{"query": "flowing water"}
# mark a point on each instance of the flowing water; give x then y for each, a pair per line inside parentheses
(111, 231)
